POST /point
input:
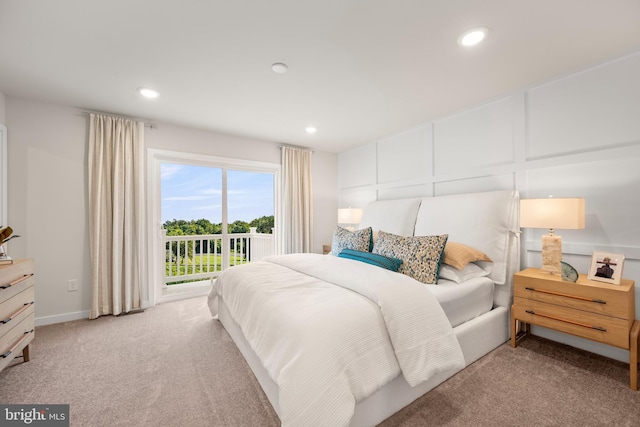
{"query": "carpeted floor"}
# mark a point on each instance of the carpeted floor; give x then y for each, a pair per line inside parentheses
(174, 366)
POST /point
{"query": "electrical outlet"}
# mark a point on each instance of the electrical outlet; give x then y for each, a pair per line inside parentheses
(73, 285)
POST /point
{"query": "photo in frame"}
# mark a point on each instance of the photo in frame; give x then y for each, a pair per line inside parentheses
(606, 267)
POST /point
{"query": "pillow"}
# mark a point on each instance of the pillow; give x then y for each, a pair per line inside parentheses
(470, 271)
(420, 255)
(392, 264)
(459, 255)
(359, 240)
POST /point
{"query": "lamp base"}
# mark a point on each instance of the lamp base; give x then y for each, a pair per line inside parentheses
(551, 254)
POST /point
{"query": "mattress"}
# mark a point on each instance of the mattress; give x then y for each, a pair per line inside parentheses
(464, 301)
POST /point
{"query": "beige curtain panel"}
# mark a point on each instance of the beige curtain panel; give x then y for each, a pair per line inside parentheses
(116, 213)
(298, 199)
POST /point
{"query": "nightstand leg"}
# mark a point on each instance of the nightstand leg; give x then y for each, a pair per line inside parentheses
(513, 329)
(633, 355)
(25, 354)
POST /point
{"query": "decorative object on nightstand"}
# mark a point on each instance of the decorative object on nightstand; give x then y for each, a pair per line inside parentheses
(606, 267)
(569, 273)
(326, 249)
(552, 213)
(596, 311)
(349, 217)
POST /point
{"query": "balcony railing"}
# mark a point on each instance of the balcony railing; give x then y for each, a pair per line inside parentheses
(201, 257)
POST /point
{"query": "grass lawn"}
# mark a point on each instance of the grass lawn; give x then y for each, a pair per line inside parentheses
(203, 264)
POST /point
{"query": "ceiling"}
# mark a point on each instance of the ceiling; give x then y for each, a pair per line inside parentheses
(359, 70)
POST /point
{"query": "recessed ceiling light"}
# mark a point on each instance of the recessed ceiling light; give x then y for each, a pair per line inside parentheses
(148, 93)
(280, 68)
(473, 36)
(310, 129)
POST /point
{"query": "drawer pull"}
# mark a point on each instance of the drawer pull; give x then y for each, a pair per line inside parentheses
(584, 325)
(16, 345)
(17, 313)
(597, 301)
(15, 282)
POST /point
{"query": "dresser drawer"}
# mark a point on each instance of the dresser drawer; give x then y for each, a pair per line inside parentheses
(15, 309)
(15, 278)
(605, 329)
(609, 300)
(16, 339)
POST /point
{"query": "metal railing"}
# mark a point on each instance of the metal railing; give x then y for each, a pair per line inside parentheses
(203, 256)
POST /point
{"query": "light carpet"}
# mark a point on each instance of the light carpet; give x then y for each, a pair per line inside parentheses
(175, 366)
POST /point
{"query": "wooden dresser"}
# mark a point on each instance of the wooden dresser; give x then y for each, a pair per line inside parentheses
(594, 310)
(16, 310)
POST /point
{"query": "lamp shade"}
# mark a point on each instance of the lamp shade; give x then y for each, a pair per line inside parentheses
(349, 216)
(564, 214)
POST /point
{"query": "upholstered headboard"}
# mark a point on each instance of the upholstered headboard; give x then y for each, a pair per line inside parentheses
(393, 216)
(486, 221)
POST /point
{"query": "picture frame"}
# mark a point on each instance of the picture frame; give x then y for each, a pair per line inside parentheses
(606, 267)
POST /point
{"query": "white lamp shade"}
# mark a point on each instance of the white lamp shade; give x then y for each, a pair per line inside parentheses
(552, 213)
(349, 216)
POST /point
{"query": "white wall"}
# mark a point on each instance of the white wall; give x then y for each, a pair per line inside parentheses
(576, 135)
(47, 152)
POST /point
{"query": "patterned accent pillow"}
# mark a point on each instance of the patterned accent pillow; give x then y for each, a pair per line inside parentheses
(421, 255)
(359, 240)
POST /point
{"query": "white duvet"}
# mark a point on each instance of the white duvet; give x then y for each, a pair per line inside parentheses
(331, 331)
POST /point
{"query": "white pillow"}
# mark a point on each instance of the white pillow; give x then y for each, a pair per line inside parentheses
(470, 271)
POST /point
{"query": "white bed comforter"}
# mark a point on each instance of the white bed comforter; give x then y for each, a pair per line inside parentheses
(331, 331)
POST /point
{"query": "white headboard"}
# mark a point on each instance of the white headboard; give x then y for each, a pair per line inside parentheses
(393, 216)
(486, 221)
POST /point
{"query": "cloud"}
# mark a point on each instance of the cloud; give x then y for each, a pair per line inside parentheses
(169, 169)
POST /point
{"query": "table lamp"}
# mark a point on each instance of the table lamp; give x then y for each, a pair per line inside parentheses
(350, 217)
(552, 213)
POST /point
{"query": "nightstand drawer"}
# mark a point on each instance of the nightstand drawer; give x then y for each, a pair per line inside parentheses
(616, 304)
(600, 298)
(604, 329)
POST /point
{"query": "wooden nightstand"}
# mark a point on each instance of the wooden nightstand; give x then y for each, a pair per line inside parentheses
(594, 310)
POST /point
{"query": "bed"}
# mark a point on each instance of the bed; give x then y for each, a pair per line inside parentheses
(335, 341)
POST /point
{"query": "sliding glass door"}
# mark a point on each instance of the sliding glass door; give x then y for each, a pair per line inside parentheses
(213, 214)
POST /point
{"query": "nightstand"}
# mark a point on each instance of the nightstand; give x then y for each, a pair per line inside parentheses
(594, 310)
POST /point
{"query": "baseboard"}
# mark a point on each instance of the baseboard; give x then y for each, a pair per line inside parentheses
(60, 318)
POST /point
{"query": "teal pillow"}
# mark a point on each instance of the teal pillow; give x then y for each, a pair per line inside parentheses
(389, 263)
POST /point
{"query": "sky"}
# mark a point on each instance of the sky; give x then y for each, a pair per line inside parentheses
(195, 192)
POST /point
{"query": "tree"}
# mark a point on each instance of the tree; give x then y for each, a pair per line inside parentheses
(263, 224)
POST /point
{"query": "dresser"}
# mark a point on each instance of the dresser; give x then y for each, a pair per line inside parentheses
(16, 310)
(589, 309)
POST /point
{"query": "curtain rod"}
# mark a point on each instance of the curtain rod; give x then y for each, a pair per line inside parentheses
(296, 146)
(147, 124)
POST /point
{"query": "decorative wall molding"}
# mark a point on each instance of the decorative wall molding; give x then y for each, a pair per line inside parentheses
(586, 249)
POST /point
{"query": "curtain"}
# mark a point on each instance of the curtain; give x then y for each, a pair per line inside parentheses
(298, 199)
(116, 213)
